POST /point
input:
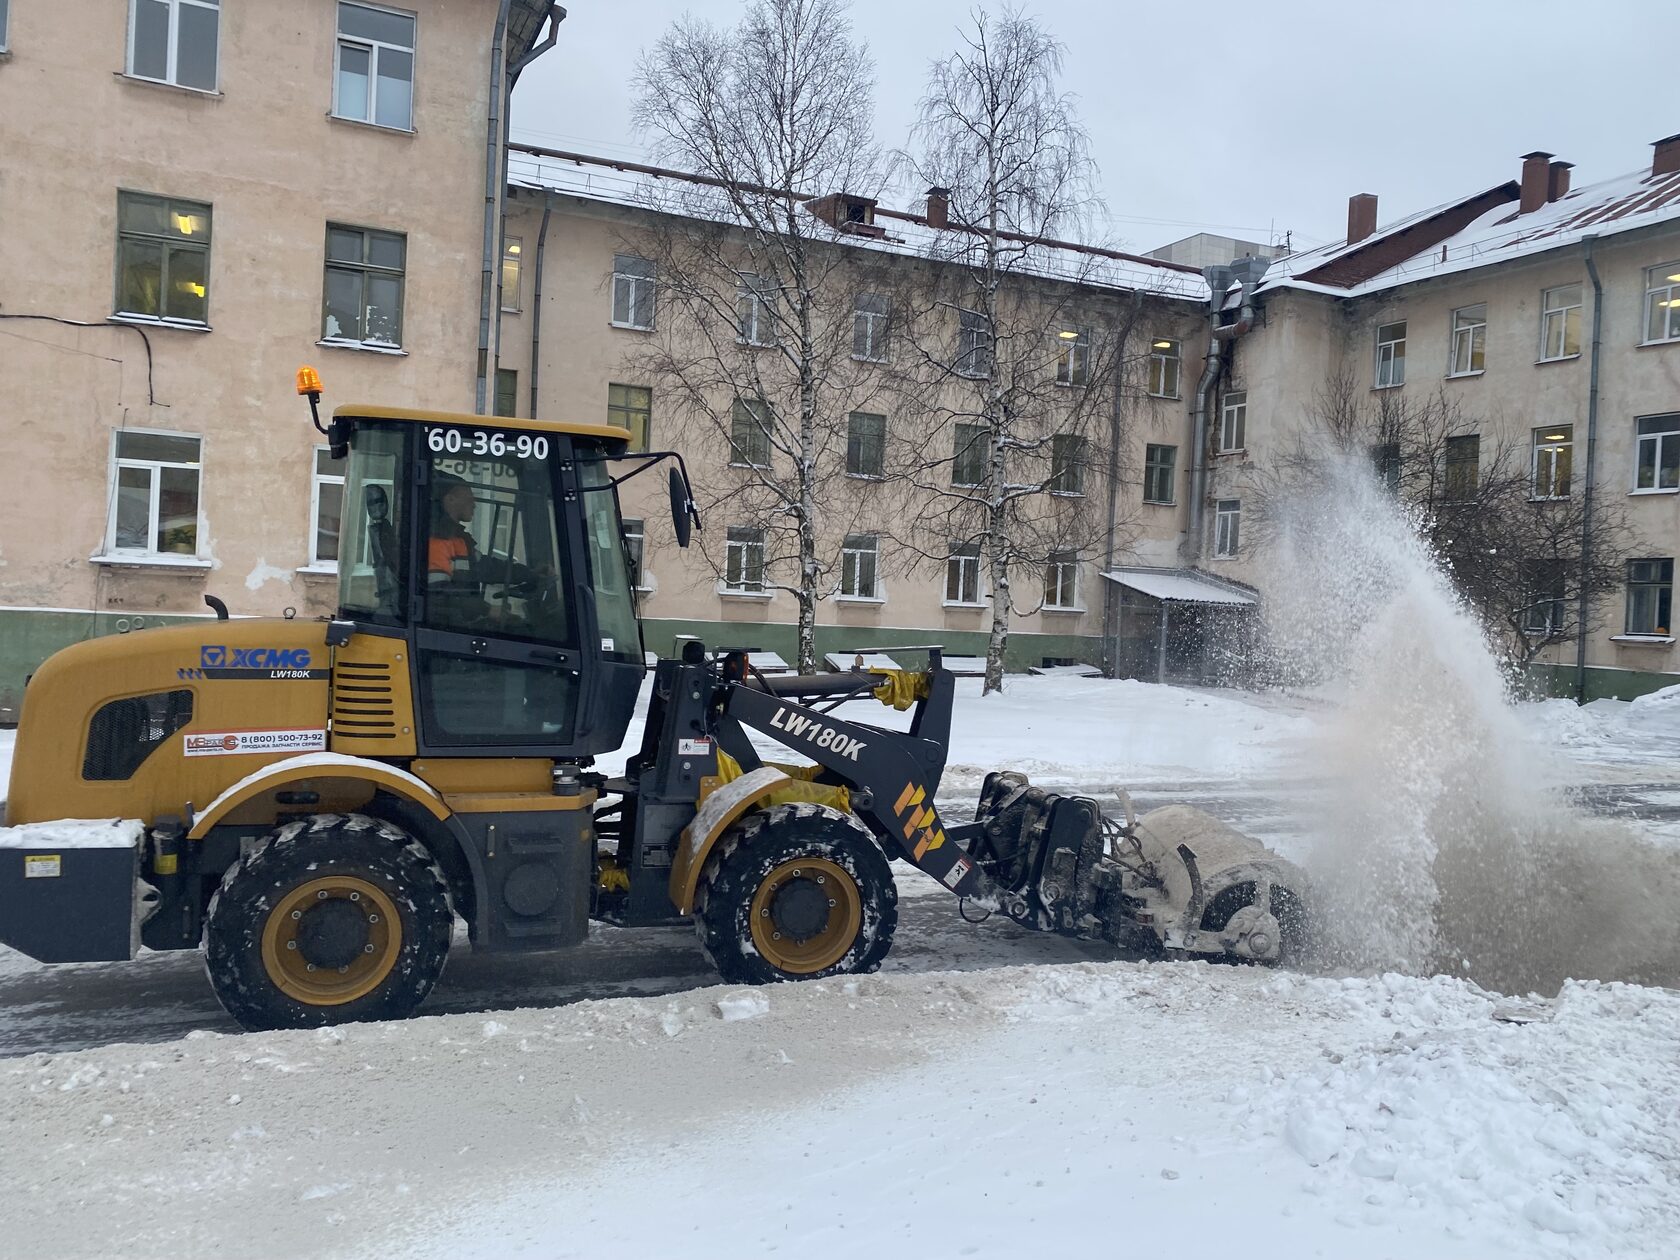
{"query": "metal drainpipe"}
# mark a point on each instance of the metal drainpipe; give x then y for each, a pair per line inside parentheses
(492, 175)
(1198, 441)
(1111, 595)
(536, 300)
(1587, 490)
(1247, 272)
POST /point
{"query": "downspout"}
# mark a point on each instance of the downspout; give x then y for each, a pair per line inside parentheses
(536, 300)
(1111, 595)
(1246, 272)
(1587, 489)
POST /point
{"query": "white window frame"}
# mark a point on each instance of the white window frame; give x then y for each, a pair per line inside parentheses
(1233, 421)
(635, 540)
(5, 25)
(1227, 528)
(737, 556)
(740, 457)
(1165, 357)
(634, 282)
(1565, 317)
(1662, 291)
(854, 550)
(1656, 585)
(172, 76)
(875, 327)
(964, 564)
(1171, 465)
(1544, 455)
(364, 269)
(1469, 334)
(1073, 357)
(155, 467)
(513, 255)
(976, 345)
(317, 479)
(1390, 370)
(1061, 569)
(752, 308)
(375, 49)
(1658, 440)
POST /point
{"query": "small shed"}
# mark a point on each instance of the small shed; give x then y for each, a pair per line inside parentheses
(1180, 625)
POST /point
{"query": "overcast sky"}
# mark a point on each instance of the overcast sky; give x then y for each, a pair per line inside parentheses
(1251, 119)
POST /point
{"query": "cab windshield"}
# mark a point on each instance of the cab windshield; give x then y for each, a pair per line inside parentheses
(609, 571)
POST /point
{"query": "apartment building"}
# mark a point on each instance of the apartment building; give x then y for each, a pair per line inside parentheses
(241, 188)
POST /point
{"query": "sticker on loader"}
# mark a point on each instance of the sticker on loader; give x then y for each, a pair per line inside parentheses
(227, 743)
(42, 866)
(918, 817)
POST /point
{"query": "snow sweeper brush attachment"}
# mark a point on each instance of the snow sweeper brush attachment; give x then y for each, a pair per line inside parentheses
(1176, 880)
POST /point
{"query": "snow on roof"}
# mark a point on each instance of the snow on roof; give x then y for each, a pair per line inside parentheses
(673, 192)
(1179, 586)
(1501, 234)
(846, 662)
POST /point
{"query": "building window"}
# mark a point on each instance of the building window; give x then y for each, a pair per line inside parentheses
(1163, 368)
(364, 286)
(169, 41)
(1553, 454)
(1662, 303)
(1385, 462)
(373, 80)
(1658, 466)
(326, 498)
(1067, 464)
(632, 292)
(155, 511)
(635, 540)
(974, 345)
(754, 311)
(866, 441)
(1650, 587)
(860, 556)
(1073, 356)
(1061, 580)
(507, 393)
(1391, 355)
(1233, 420)
(512, 264)
(1560, 322)
(1158, 473)
(1227, 527)
(1545, 612)
(631, 407)
(968, 462)
(962, 574)
(163, 258)
(3, 26)
(749, 434)
(1463, 456)
(869, 328)
(1469, 340)
(743, 568)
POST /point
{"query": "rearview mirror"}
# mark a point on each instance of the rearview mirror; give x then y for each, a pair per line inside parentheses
(376, 502)
(682, 514)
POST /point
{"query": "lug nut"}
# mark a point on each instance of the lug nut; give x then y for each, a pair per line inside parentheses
(373, 918)
(343, 969)
(822, 879)
(367, 949)
(291, 944)
(297, 914)
(355, 896)
(831, 903)
(322, 895)
(312, 966)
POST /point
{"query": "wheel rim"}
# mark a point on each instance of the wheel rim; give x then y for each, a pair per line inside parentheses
(806, 915)
(331, 940)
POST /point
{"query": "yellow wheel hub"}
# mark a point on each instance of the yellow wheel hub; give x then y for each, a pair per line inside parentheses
(805, 915)
(331, 940)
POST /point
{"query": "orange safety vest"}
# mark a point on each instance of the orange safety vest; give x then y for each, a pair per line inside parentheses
(442, 556)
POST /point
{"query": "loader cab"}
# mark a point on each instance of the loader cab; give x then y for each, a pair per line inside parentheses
(494, 549)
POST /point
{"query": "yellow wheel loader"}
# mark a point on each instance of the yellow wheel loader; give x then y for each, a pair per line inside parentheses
(314, 804)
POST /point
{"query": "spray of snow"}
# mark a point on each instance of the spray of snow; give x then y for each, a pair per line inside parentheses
(1441, 843)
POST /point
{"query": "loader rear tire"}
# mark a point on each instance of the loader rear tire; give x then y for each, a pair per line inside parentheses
(337, 918)
(795, 892)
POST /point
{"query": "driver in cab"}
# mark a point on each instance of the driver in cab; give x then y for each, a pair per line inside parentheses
(454, 565)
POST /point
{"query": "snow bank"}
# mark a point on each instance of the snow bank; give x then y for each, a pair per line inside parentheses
(74, 833)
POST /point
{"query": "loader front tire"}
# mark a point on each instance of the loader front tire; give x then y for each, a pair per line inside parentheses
(795, 892)
(337, 918)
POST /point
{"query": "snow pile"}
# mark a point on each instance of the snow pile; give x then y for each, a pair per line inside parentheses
(1666, 701)
(74, 833)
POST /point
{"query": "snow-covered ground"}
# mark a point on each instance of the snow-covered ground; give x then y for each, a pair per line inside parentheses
(608, 1102)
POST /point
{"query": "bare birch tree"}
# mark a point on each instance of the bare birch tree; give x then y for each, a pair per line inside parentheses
(755, 294)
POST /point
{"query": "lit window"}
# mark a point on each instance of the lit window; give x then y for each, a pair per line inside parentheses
(631, 407)
(169, 41)
(860, 556)
(156, 484)
(634, 546)
(1463, 472)
(373, 79)
(1061, 581)
(869, 328)
(866, 440)
(962, 574)
(1158, 473)
(755, 300)
(1657, 466)
(1662, 303)
(507, 393)
(1233, 420)
(1067, 464)
(632, 292)
(1227, 528)
(1554, 449)
(1560, 322)
(364, 286)
(326, 498)
(743, 569)
(1163, 368)
(1469, 340)
(974, 345)
(163, 258)
(512, 265)
(1073, 356)
(1391, 355)
(1650, 596)
(749, 433)
(968, 460)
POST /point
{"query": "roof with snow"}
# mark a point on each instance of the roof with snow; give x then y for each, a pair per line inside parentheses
(1479, 231)
(665, 191)
(1180, 586)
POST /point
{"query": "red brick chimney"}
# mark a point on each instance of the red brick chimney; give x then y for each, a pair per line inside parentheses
(1534, 182)
(1362, 216)
(1557, 181)
(939, 208)
(1665, 156)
